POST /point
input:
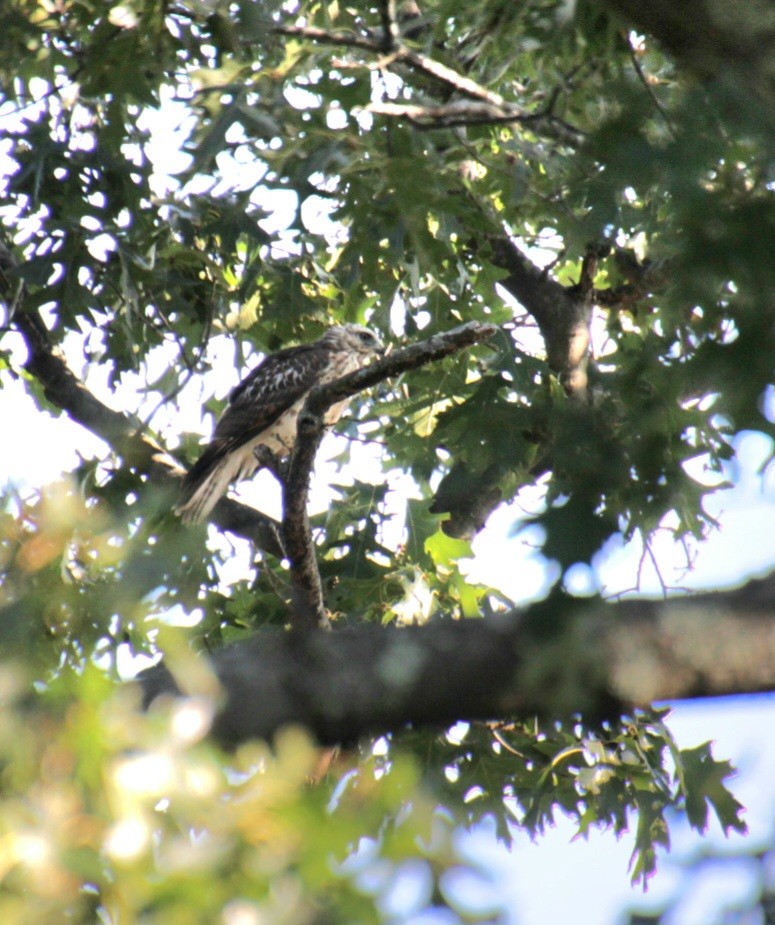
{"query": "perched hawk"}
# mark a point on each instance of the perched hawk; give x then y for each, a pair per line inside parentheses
(264, 407)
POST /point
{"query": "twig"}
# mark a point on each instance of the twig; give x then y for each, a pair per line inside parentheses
(648, 88)
(391, 36)
(309, 609)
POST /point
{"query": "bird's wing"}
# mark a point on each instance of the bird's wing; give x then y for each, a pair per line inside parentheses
(269, 390)
(276, 384)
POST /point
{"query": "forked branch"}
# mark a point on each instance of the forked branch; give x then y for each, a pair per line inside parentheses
(479, 106)
(309, 608)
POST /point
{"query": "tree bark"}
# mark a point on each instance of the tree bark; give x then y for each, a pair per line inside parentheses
(561, 658)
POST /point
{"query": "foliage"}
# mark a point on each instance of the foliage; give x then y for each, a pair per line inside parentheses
(751, 868)
(110, 817)
(293, 206)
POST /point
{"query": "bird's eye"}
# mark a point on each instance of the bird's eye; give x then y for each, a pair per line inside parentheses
(366, 336)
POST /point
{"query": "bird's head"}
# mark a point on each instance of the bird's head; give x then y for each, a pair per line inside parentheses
(354, 338)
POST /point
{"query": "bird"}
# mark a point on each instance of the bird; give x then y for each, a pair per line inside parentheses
(264, 408)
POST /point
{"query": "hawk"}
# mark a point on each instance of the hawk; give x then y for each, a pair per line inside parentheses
(263, 409)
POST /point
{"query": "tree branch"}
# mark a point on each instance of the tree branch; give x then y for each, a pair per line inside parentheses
(560, 659)
(140, 452)
(488, 107)
(399, 361)
(468, 499)
(326, 37)
(309, 608)
(419, 62)
(121, 432)
(562, 314)
(391, 34)
(465, 112)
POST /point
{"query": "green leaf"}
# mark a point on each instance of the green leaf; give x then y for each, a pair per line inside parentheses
(445, 550)
(704, 781)
(651, 833)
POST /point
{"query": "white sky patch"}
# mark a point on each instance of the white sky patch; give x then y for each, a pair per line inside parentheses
(169, 127)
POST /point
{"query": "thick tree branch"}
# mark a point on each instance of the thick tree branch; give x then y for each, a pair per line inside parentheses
(597, 660)
(309, 608)
(244, 521)
(469, 499)
(562, 314)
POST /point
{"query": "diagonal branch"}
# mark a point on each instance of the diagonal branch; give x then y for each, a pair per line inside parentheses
(399, 361)
(120, 431)
(415, 60)
(309, 608)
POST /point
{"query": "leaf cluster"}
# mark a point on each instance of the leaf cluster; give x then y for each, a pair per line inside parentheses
(631, 775)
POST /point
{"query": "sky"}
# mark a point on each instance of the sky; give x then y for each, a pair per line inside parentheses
(553, 879)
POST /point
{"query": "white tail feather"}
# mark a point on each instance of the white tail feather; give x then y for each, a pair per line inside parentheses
(233, 466)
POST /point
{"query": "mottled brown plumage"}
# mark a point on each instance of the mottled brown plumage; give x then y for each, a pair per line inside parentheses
(263, 409)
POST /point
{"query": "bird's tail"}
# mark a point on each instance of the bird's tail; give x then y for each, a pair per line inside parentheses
(205, 484)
